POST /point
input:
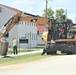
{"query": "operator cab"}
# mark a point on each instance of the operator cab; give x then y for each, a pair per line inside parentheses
(62, 31)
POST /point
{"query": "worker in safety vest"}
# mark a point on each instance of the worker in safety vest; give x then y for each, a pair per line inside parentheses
(61, 32)
(15, 42)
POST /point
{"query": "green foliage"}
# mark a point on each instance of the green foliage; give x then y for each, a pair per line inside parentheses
(69, 21)
(60, 15)
(50, 13)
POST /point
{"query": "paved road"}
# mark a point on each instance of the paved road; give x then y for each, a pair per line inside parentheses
(61, 65)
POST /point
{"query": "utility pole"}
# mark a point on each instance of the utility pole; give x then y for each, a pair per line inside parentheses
(66, 24)
(46, 7)
(66, 15)
(75, 20)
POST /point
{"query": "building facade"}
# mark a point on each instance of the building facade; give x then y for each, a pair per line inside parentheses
(22, 30)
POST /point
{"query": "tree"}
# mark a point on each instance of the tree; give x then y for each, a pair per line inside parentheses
(60, 15)
(69, 21)
(50, 13)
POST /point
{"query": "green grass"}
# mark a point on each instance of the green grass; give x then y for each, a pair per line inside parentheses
(22, 59)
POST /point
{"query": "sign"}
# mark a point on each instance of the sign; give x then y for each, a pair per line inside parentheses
(23, 40)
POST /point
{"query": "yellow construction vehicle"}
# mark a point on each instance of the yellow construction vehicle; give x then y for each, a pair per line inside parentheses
(64, 39)
(55, 36)
(16, 18)
(59, 37)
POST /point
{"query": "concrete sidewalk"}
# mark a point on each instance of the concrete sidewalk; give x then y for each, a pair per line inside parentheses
(38, 51)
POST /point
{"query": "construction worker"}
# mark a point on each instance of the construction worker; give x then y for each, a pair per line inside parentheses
(15, 42)
(61, 34)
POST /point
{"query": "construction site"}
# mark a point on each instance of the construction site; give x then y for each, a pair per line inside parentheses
(31, 44)
(25, 27)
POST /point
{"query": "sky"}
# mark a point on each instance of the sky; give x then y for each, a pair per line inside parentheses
(36, 7)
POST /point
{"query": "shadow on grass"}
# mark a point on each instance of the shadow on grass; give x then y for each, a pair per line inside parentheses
(6, 57)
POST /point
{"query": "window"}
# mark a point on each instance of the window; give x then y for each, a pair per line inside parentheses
(22, 23)
(31, 24)
(0, 9)
(25, 34)
(18, 22)
(25, 23)
(36, 36)
(32, 36)
(7, 35)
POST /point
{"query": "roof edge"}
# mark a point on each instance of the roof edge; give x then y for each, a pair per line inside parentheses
(11, 8)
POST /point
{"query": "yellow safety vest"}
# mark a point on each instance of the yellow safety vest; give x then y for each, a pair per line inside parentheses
(14, 42)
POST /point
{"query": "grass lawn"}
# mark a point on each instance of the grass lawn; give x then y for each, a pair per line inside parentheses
(22, 59)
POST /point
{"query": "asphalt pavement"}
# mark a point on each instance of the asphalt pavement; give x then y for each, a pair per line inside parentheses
(63, 65)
